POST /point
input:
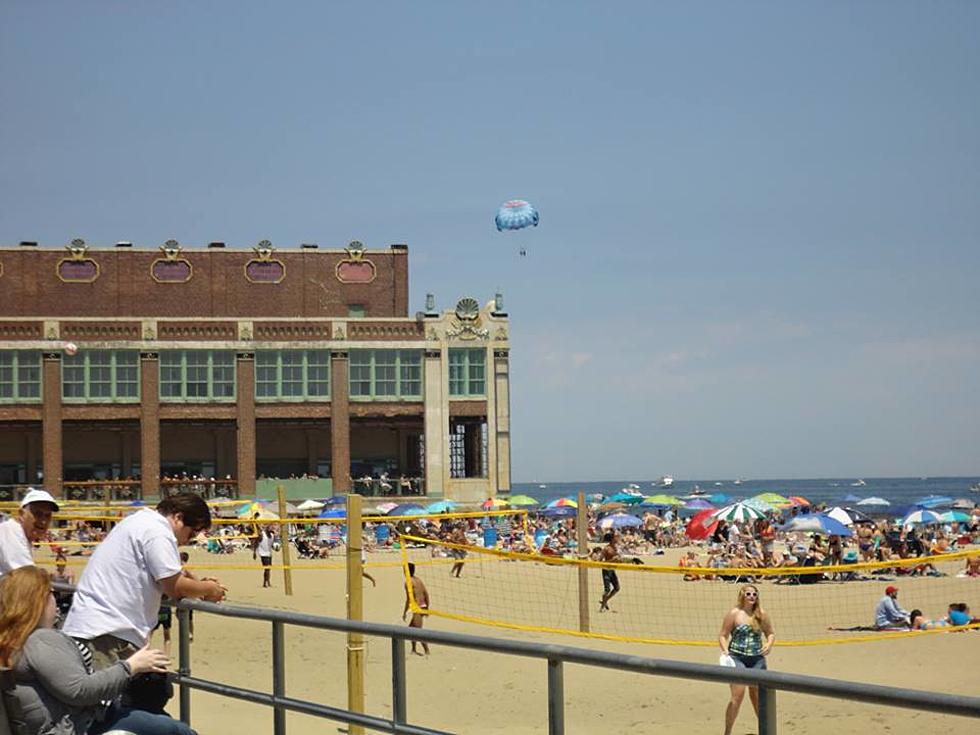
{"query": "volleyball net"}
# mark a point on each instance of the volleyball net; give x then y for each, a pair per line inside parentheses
(684, 605)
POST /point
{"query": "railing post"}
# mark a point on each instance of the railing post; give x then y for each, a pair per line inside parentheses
(184, 668)
(556, 698)
(278, 676)
(767, 711)
(399, 701)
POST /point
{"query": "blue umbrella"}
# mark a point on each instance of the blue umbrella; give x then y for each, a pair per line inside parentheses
(698, 504)
(561, 511)
(516, 215)
(407, 509)
(921, 516)
(817, 523)
(934, 501)
(333, 513)
(718, 498)
(628, 498)
(440, 506)
(619, 520)
(335, 500)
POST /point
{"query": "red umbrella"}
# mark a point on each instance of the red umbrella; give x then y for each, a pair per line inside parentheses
(702, 525)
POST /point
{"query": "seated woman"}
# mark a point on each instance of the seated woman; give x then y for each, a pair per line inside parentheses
(58, 692)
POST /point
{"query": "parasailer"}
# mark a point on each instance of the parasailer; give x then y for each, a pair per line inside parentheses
(516, 215)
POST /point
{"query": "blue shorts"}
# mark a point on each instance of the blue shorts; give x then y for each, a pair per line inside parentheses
(743, 661)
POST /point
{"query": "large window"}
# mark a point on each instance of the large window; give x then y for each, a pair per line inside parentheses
(197, 375)
(20, 376)
(101, 376)
(467, 372)
(292, 375)
(385, 375)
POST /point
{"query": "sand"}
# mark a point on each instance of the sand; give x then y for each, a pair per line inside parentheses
(472, 692)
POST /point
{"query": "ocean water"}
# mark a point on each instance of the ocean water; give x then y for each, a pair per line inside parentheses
(899, 491)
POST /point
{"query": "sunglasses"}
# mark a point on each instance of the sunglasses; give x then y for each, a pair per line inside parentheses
(750, 594)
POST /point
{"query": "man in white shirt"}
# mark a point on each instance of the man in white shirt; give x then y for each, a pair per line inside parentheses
(18, 534)
(119, 593)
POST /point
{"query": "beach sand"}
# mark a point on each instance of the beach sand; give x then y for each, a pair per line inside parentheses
(465, 691)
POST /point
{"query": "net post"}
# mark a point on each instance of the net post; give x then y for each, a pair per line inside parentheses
(399, 696)
(556, 697)
(355, 611)
(184, 665)
(287, 572)
(767, 711)
(278, 676)
(582, 531)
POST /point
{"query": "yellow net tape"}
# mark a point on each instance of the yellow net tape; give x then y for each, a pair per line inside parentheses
(809, 605)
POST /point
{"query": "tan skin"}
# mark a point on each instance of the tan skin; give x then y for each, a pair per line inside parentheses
(35, 518)
(748, 599)
(180, 585)
(421, 595)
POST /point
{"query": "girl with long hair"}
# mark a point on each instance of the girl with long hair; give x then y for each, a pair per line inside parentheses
(56, 687)
(746, 636)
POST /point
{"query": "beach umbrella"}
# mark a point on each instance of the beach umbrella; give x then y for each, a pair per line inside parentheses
(333, 513)
(406, 509)
(595, 497)
(560, 511)
(847, 516)
(440, 506)
(335, 500)
(774, 499)
(493, 504)
(562, 503)
(627, 498)
(799, 500)
(697, 504)
(738, 512)
(702, 525)
(250, 509)
(760, 505)
(934, 501)
(920, 516)
(608, 506)
(718, 498)
(620, 520)
(817, 523)
(310, 504)
(522, 501)
(874, 501)
(662, 499)
(963, 504)
(954, 516)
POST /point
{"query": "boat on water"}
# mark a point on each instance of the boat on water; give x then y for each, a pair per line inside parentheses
(542, 486)
(859, 483)
(739, 481)
(697, 492)
(666, 481)
(975, 488)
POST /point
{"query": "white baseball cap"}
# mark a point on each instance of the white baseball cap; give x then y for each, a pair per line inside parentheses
(38, 496)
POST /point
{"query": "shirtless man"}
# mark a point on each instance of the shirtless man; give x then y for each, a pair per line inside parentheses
(421, 595)
(457, 536)
(610, 581)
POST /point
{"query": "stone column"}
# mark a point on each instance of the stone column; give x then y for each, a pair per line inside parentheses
(501, 379)
(51, 429)
(436, 420)
(340, 422)
(246, 423)
(150, 423)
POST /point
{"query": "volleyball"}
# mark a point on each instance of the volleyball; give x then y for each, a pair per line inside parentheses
(71, 348)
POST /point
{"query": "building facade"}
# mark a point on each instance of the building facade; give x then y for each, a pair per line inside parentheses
(125, 362)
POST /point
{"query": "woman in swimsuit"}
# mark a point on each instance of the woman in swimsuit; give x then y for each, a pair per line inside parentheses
(747, 636)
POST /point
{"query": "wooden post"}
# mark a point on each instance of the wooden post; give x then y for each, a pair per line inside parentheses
(287, 573)
(582, 527)
(355, 611)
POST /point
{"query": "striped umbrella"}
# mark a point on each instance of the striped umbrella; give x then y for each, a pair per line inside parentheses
(562, 503)
(954, 516)
(921, 516)
(737, 512)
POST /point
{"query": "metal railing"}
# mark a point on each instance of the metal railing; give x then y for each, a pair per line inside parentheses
(556, 656)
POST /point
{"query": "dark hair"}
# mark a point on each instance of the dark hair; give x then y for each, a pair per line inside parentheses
(914, 614)
(191, 507)
(411, 569)
(608, 537)
(184, 556)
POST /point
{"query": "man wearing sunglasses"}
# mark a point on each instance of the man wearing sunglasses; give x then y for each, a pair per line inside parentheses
(118, 597)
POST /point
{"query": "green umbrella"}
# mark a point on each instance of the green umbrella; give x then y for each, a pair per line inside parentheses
(773, 499)
(737, 512)
(523, 500)
(662, 500)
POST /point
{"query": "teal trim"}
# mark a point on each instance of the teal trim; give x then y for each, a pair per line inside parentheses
(467, 372)
(296, 376)
(101, 376)
(20, 376)
(385, 375)
(197, 376)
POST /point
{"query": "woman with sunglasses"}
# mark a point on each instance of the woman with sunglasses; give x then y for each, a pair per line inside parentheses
(747, 636)
(56, 687)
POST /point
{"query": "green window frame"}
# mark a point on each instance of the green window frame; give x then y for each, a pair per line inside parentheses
(292, 375)
(189, 376)
(385, 375)
(467, 372)
(20, 376)
(101, 376)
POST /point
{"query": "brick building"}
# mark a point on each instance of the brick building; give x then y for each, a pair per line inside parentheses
(245, 363)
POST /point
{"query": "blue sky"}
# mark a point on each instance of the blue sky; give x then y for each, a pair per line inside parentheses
(759, 246)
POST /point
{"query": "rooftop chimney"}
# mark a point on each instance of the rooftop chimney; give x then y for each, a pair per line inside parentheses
(216, 244)
(124, 244)
(309, 246)
(28, 243)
